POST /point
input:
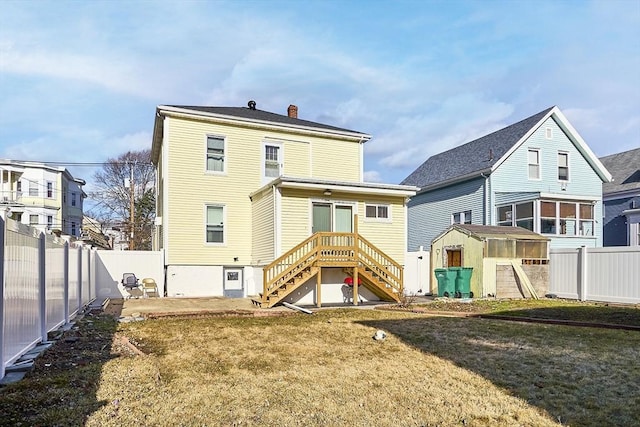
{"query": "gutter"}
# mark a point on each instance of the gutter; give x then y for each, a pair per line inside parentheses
(481, 173)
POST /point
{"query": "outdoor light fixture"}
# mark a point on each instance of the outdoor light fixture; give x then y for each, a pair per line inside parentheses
(327, 192)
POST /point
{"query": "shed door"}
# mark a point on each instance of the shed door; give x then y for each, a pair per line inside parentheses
(454, 258)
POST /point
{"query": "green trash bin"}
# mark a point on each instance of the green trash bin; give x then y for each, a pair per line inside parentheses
(446, 283)
(463, 283)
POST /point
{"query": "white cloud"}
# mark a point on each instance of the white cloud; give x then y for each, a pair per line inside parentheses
(372, 176)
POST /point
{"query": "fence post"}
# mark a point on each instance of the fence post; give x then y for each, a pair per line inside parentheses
(79, 268)
(3, 229)
(42, 249)
(582, 273)
(66, 282)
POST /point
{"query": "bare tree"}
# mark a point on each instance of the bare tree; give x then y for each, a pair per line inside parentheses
(125, 194)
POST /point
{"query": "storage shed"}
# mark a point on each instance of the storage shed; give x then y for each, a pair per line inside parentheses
(507, 262)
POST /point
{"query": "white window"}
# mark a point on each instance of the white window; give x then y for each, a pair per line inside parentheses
(49, 222)
(33, 188)
(461, 218)
(272, 160)
(377, 212)
(49, 189)
(563, 166)
(33, 219)
(534, 164)
(586, 219)
(214, 224)
(215, 154)
(523, 215)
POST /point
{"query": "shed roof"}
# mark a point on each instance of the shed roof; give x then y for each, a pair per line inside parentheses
(484, 232)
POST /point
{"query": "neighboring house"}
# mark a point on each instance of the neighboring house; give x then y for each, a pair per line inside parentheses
(622, 199)
(538, 174)
(252, 202)
(92, 234)
(45, 197)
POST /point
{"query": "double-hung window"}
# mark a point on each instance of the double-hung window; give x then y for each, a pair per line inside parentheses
(215, 154)
(73, 198)
(49, 222)
(33, 220)
(33, 188)
(586, 219)
(534, 164)
(49, 189)
(563, 166)
(214, 224)
(272, 160)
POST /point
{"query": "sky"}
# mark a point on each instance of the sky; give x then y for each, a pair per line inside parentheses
(80, 80)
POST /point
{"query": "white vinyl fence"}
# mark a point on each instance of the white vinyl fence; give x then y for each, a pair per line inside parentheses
(610, 274)
(44, 282)
(417, 272)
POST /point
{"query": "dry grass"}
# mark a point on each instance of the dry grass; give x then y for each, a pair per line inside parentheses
(327, 370)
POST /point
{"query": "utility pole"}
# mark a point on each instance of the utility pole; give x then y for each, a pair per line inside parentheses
(132, 206)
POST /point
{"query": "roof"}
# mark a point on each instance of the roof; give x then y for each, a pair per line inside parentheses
(474, 156)
(248, 116)
(261, 116)
(485, 154)
(484, 232)
(371, 188)
(625, 168)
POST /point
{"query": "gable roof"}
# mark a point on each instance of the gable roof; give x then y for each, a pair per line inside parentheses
(485, 154)
(625, 168)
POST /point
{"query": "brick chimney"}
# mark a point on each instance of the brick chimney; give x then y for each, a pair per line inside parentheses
(292, 111)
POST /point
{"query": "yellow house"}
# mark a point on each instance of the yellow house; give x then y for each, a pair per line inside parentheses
(256, 203)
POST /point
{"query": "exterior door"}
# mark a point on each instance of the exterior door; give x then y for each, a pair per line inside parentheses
(321, 217)
(344, 219)
(233, 283)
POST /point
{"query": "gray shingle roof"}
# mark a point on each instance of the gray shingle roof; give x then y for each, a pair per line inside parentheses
(475, 156)
(625, 168)
(260, 115)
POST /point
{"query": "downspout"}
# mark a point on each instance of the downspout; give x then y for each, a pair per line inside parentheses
(276, 230)
(486, 201)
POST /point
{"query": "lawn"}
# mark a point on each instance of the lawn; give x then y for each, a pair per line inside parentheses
(325, 369)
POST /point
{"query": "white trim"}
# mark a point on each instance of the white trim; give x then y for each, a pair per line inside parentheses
(165, 189)
(277, 218)
(388, 219)
(269, 142)
(346, 188)
(573, 135)
(539, 164)
(233, 120)
(561, 196)
(224, 224)
(225, 154)
(568, 180)
(315, 200)
(548, 132)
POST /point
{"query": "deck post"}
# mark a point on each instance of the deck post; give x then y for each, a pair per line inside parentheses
(319, 288)
(356, 245)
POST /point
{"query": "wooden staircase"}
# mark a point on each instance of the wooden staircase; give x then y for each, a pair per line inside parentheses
(357, 256)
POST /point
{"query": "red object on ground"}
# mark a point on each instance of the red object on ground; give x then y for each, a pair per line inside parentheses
(349, 281)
